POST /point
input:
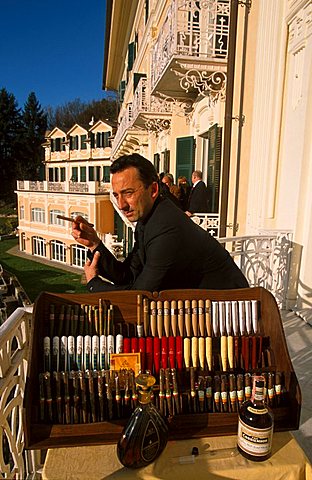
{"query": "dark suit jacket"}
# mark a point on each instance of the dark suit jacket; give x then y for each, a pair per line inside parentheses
(170, 252)
(198, 199)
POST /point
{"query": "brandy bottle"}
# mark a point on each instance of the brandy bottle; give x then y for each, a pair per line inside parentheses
(146, 434)
(255, 425)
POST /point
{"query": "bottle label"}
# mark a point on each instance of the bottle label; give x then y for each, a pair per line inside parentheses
(258, 411)
(151, 442)
(257, 442)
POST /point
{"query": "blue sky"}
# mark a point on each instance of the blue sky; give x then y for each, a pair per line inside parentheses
(55, 49)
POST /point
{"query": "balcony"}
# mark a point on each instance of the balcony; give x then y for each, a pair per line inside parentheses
(189, 57)
(63, 187)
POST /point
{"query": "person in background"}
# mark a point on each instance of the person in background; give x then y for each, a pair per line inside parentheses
(198, 201)
(170, 250)
(185, 189)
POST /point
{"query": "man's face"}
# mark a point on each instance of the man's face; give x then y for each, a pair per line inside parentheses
(132, 197)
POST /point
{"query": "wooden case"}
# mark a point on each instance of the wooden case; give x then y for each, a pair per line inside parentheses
(39, 435)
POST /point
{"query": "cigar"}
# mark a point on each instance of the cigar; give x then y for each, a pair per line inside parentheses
(217, 392)
(83, 396)
(224, 398)
(119, 340)
(209, 352)
(181, 317)
(126, 409)
(156, 351)
(71, 353)
(278, 387)
(201, 317)
(194, 350)
(167, 318)
(42, 397)
(160, 320)
(67, 397)
(109, 395)
(187, 352)
(99, 374)
(134, 395)
(164, 352)
(47, 354)
(174, 317)
(89, 376)
(168, 392)
(194, 318)
(139, 316)
(201, 394)
(162, 391)
(254, 315)
(271, 390)
(201, 347)
(247, 392)
(172, 351)
(149, 354)
(253, 344)
(142, 350)
(224, 353)
(56, 377)
(240, 389)
(117, 396)
(230, 351)
(63, 353)
(193, 391)
(208, 317)
(235, 324)
(179, 353)
(242, 316)
(87, 346)
(187, 310)
(215, 319)
(248, 316)
(74, 376)
(153, 318)
(208, 393)
(233, 395)
(175, 391)
(146, 319)
(71, 219)
(56, 353)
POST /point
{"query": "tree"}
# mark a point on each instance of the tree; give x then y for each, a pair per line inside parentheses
(10, 142)
(34, 123)
(76, 111)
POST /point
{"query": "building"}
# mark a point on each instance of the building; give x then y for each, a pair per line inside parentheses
(77, 181)
(223, 86)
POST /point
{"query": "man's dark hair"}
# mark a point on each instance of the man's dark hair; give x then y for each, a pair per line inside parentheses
(146, 170)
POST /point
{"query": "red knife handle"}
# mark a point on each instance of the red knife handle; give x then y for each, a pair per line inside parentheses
(142, 350)
(179, 352)
(126, 345)
(172, 352)
(156, 355)
(164, 352)
(149, 354)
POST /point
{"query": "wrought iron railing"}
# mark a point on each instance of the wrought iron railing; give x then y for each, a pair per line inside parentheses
(197, 29)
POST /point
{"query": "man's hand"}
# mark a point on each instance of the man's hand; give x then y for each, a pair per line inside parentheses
(91, 268)
(189, 214)
(84, 234)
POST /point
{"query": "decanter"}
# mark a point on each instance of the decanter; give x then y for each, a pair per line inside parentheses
(146, 434)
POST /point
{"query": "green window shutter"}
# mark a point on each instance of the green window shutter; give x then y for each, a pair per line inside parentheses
(74, 176)
(156, 161)
(91, 174)
(71, 143)
(131, 55)
(58, 144)
(166, 154)
(83, 174)
(122, 89)
(83, 143)
(63, 145)
(92, 140)
(214, 165)
(63, 174)
(136, 79)
(106, 174)
(52, 145)
(185, 157)
(51, 176)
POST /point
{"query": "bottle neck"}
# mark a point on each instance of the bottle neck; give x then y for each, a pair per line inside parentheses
(258, 395)
(144, 397)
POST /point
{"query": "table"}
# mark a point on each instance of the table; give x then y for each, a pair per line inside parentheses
(217, 459)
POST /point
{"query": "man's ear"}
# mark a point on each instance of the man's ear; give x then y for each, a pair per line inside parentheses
(155, 189)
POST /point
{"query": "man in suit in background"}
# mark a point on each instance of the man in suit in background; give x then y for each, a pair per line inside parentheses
(199, 196)
(170, 250)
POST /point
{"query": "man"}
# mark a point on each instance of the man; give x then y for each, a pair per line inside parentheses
(170, 251)
(199, 196)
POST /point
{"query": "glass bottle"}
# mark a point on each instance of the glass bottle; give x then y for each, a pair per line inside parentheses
(255, 425)
(146, 434)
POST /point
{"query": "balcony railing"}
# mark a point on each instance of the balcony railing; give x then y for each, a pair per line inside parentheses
(196, 31)
(125, 123)
(92, 187)
(145, 103)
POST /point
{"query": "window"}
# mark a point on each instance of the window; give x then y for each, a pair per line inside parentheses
(157, 161)
(83, 140)
(102, 139)
(91, 174)
(53, 217)
(79, 255)
(83, 174)
(74, 175)
(131, 55)
(57, 144)
(58, 251)
(54, 174)
(122, 88)
(38, 215)
(74, 142)
(23, 242)
(39, 246)
(63, 174)
(22, 212)
(106, 174)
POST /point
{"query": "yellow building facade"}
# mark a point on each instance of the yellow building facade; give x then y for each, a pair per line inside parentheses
(77, 182)
(223, 86)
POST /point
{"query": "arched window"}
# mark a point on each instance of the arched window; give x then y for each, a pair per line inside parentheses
(53, 217)
(39, 246)
(79, 255)
(58, 251)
